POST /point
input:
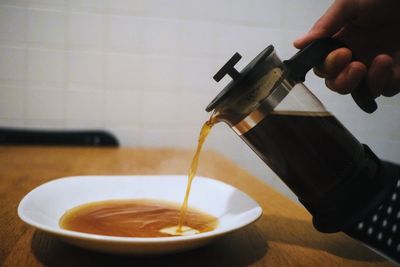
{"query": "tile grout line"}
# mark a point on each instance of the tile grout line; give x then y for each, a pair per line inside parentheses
(26, 67)
(105, 67)
(66, 67)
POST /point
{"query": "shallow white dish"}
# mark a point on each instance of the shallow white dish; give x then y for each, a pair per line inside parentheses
(43, 207)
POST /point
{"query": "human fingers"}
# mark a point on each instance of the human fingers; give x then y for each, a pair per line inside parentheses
(334, 63)
(336, 17)
(389, 71)
(393, 86)
(348, 79)
(380, 75)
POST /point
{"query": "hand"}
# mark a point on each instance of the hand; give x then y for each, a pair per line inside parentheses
(371, 30)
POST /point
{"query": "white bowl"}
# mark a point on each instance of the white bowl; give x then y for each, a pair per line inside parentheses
(43, 207)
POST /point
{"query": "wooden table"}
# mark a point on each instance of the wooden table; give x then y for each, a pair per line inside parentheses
(283, 236)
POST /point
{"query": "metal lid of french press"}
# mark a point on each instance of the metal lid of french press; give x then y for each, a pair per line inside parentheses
(239, 79)
(297, 66)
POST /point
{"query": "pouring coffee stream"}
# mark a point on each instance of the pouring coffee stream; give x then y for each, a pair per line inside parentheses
(205, 130)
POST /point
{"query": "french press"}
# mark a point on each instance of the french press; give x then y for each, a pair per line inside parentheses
(270, 108)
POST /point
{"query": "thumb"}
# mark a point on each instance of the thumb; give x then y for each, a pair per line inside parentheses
(334, 19)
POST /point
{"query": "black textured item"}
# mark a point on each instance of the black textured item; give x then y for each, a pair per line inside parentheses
(338, 209)
(15, 136)
(380, 228)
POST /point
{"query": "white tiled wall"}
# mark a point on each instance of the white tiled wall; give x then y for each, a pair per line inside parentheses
(142, 69)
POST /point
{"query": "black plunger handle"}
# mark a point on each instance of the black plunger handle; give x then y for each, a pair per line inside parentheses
(313, 55)
(229, 68)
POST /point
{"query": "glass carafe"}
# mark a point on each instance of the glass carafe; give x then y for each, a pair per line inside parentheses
(270, 108)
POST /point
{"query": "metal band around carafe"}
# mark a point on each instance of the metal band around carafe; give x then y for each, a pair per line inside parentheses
(265, 107)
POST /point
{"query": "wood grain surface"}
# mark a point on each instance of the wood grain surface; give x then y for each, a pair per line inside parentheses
(284, 236)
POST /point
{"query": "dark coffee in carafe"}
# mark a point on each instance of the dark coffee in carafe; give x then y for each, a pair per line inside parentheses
(310, 151)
